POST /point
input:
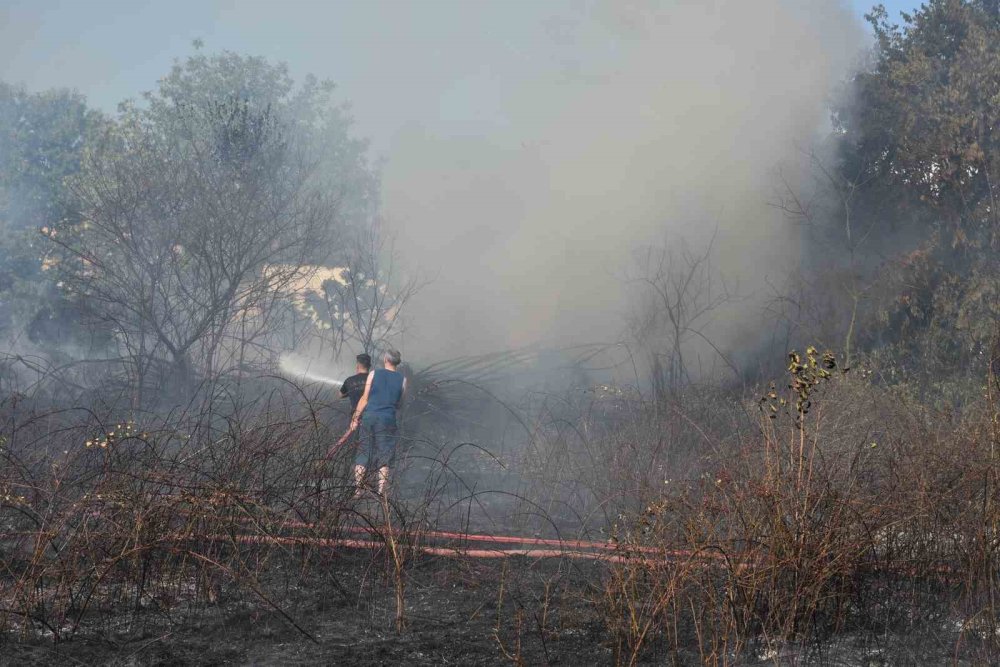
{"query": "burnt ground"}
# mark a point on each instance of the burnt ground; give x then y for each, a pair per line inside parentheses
(460, 612)
(337, 606)
(469, 612)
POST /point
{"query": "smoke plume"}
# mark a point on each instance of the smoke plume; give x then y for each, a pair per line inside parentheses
(630, 124)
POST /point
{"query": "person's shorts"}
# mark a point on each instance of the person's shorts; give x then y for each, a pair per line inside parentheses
(377, 446)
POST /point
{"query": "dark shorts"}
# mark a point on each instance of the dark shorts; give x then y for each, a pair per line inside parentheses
(377, 446)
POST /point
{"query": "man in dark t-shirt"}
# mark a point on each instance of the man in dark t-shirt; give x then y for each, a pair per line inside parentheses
(354, 386)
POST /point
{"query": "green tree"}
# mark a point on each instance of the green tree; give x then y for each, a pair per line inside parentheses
(308, 111)
(926, 116)
(42, 136)
(202, 205)
(923, 134)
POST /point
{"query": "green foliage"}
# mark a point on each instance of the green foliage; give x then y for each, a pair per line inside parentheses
(181, 222)
(322, 127)
(41, 145)
(184, 210)
(41, 137)
(202, 206)
(806, 371)
(927, 113)
(923, 131)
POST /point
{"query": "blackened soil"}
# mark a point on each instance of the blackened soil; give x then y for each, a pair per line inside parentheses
(338, 608)
(458, 612)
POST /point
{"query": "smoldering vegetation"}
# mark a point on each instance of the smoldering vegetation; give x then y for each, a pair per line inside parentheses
(795, 465)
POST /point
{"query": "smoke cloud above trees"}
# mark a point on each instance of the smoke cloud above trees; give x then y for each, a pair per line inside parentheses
(641, 124)
(532, 152)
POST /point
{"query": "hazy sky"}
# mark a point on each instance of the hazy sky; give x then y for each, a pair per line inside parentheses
(394, 61)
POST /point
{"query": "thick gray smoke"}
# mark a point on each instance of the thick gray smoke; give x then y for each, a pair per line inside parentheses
(532, 147)
(623, 125)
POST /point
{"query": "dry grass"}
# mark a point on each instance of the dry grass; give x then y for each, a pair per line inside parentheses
(102, 519)
(742, 529)
(848, 513)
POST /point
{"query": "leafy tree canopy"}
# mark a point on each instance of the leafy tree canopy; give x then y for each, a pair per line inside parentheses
(42, 139)
(923, 130)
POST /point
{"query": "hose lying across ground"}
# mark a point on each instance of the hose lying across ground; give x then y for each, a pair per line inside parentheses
(457, 544)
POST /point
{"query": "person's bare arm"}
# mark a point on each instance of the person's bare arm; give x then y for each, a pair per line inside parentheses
(356, 419)
(335, 447)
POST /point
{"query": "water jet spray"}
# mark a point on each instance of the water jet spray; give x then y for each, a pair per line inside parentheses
(299, 369)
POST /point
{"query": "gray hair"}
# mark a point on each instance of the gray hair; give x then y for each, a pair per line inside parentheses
(393, 356)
